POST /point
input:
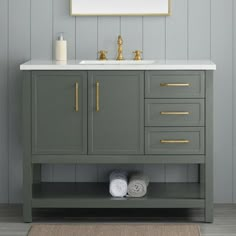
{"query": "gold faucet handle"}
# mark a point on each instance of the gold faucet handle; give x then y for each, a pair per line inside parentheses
(103, 55)
(137, 56)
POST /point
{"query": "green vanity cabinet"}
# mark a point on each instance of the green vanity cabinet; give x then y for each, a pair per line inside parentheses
(121, 116)
(115, 112)
(57, 126)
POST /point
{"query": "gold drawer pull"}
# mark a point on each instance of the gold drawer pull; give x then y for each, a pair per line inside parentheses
(184, 141)
(174, 85)
(76, 96)
(97, 97)
(174, 113)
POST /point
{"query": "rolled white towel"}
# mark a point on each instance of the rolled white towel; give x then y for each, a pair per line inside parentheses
(118, 183)
(138, 184)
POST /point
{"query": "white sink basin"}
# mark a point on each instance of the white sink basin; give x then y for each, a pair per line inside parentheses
(114, 62)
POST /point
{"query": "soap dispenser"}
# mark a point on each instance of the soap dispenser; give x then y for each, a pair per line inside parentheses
(61, 48)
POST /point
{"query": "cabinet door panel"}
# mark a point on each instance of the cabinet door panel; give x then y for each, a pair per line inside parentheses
(57, 127)
(118, 126)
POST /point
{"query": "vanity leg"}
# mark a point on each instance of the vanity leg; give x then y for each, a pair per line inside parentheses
(27, 166)
(209, 149)
(27, 212)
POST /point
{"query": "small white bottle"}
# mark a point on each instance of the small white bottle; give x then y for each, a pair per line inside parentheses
(61, 48)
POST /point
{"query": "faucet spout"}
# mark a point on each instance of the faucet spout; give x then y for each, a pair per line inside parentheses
(120, 49)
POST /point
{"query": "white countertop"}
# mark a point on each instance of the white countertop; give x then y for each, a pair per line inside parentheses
(157, 65)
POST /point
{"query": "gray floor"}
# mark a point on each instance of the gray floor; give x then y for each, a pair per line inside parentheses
(224, 224)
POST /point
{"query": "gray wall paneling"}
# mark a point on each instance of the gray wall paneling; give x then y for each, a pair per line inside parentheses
(154, 37)
(156, 173)
(19, 51)
(177, 31)
(63, 22)
(86, 37)
(41, 29)
(221, 53)
(196, 30)
(86, 173)
(108, 31)
(234, 100)
(4, 101)
(132, 34)
(199, 29)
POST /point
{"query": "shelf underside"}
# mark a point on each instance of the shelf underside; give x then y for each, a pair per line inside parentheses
(117, 159)
(96, 195)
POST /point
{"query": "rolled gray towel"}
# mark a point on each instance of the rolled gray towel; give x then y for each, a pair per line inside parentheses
(138, 184)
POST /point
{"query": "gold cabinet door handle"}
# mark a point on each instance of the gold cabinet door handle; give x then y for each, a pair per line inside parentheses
(174, 113)
(168, 141)
(76, 96)
(174, 84)
(97, 96)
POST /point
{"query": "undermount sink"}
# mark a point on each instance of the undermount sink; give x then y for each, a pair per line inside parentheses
(114, 62)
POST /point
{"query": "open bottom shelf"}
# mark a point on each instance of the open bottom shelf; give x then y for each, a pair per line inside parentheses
(96, 195)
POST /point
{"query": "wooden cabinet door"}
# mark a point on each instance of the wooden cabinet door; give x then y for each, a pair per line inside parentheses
(116, 112)
(58, 126)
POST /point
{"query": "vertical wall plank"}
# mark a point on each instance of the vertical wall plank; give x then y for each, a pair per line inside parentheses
(64, 173)
(108, 31)
(192, 173)
(221, 48)
(156, 173)
(234, 100)
(176, 173)
(41, 29)
(132, 34)
(63, 22)
(176, 31)
(177, 48)
(199, 29)
(86, 38)
(47, 173)
(4, 101)
(86, 173)
(154, 37)
(19, 52)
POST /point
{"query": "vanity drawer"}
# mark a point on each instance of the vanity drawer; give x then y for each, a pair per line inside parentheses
(174, 84)
(174, 112)
(176, 140)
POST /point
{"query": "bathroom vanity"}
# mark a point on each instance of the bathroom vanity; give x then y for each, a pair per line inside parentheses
(144, 112)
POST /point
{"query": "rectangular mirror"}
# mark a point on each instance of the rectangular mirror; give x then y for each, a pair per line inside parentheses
(120, 7)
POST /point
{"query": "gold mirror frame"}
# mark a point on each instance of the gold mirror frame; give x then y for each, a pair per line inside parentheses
(127, 14)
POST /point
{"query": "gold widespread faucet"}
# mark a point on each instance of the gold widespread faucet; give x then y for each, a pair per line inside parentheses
(120, 56)
(120, 49)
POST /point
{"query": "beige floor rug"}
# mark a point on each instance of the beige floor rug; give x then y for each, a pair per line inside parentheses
(115, 230)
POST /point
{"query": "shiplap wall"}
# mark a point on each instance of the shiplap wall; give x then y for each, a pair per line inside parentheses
(197, 29)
